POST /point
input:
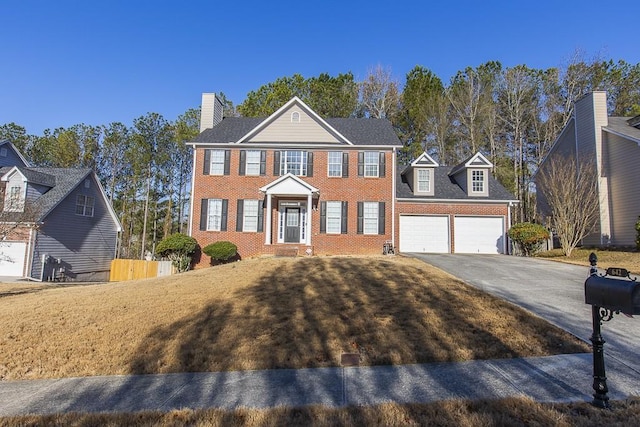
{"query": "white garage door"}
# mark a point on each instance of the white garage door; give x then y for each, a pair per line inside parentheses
(12, 258)
(478, 235)
(424, 234)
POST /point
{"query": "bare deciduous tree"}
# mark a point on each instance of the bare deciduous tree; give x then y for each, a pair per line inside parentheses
(568, 192)
(379, 94)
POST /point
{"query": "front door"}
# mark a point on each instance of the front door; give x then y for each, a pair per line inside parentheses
(292, 225)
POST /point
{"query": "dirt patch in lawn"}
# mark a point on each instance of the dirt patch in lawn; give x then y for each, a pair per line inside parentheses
(606, 258)
(267, 313)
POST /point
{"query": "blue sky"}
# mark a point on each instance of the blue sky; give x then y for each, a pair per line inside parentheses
(95, 62)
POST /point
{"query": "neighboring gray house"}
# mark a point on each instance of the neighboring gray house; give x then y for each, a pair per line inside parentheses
(613, 145)
(56, 224)
(10, 155)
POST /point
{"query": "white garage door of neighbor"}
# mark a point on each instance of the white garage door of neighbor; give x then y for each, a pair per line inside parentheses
(478, 235)
(12, 258)
(421, 233)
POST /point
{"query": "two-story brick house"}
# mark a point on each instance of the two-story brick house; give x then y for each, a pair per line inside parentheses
(295, 181)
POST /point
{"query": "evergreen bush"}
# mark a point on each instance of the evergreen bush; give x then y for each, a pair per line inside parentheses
(529, 237)
(221, 251)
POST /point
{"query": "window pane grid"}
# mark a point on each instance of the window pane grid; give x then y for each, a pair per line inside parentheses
(370, 218)
(250, 221)
(215, 214)
(294, 162)
(217, 162)
(253, 162)
(371, 163)
(334, 217)
(424, 183)
(477, 181)
(335, 163)
(84, 205)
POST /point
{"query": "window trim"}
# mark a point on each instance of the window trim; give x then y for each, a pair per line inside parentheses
(369, 163)
(478, 177)
(246, 203)
(87, 208)
(340, 163)
(254, 162)
(428, 180)
(213, 161)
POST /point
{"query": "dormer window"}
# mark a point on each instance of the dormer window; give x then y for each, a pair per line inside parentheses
(424, 181)
(14, 200)
(477, 181)
(295, 117)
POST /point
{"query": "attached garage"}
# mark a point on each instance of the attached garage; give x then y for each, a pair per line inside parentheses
(12, 257)
(479, 235)
(424, 233)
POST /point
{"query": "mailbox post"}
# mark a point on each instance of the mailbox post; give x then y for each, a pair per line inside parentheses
(614, 292)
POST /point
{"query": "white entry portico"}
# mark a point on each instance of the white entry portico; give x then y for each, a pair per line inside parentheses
(294, 214)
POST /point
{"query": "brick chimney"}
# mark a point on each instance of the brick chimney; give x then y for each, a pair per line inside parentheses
(210, 111)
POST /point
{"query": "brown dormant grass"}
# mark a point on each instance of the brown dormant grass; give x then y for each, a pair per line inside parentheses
(265, 313)
(606, 258)
(505, 412)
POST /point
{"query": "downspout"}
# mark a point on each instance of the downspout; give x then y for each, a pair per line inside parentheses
(393, 197)
(508, 226)
(30, 253)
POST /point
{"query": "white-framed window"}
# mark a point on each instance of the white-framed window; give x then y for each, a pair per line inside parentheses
(253, 162)
(371, 166)
(370, 218)
(84, 205)
(334, 217)
(294, 162)
(250, 215)
(477, 181)
(214, 215)
(335, 163)
(216, 165)
(295, 117)
(424, 180)
(3, 152)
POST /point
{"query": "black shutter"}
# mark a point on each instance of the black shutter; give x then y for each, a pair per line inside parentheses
(345, 165)
(223, 220)
(204, 215)
(263, 162)
(381, 174)
(381, 218)
(227, 161)
(309, 164)
(360, 217)
(260, 215)
(276, 163)
(239, 216)
(243, 162)
(323, 217)
(207, 162)
(345, 211)
(360, 163)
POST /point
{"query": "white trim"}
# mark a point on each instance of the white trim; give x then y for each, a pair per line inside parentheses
(267, 189)
(193, 183)
(393, 200)
(280, 110)
(292, 146)
(621, 135)
(476, 156)
(425, 156)
(458, 201)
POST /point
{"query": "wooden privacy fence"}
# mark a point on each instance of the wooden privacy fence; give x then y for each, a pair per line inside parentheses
(130, 269)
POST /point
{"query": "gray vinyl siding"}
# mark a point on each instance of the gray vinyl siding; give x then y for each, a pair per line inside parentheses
(623, 181)
(85, 245)
(36, 190)
(11, 158)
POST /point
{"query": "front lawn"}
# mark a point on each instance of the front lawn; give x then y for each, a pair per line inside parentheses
(606, 258)
(265, 313)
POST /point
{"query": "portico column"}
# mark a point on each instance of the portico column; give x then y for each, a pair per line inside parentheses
(267, 230)
(309, 210)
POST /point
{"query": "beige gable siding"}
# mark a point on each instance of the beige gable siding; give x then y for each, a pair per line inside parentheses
(623, 158)
(282, 129)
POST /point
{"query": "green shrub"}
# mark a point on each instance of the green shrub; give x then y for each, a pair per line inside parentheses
(638, 234)
(529, 237)
(179, 248)
(221, 251)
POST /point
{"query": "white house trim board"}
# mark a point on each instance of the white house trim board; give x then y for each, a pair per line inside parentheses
(621, 135)
(302, 106)
(478, 161)
(424, 160)
(289, 185)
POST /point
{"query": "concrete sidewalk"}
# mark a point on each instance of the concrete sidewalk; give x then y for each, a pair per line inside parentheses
(561, 378)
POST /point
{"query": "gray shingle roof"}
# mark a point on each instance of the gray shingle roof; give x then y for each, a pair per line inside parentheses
(621, 125)
(446, 188)
(358, 131)
(66, 179)
(36, 177)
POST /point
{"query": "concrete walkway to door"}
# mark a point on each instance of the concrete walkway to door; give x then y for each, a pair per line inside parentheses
(549, 289)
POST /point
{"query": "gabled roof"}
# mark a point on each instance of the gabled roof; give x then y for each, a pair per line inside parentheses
(424, 160)
(446, 188)
(289, 184)
(475, 161)
(350, 131)
(9, 145)
(31, 176)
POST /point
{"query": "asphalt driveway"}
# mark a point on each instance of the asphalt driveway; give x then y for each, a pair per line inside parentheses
(549, 289)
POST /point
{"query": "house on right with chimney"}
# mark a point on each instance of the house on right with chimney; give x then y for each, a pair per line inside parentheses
(612, 146)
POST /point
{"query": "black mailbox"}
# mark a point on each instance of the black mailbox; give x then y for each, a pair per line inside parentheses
(615, 294)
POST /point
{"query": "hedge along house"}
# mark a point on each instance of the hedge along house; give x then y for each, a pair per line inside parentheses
(299, 183)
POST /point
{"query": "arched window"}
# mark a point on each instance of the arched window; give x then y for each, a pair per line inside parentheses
(295, 117)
